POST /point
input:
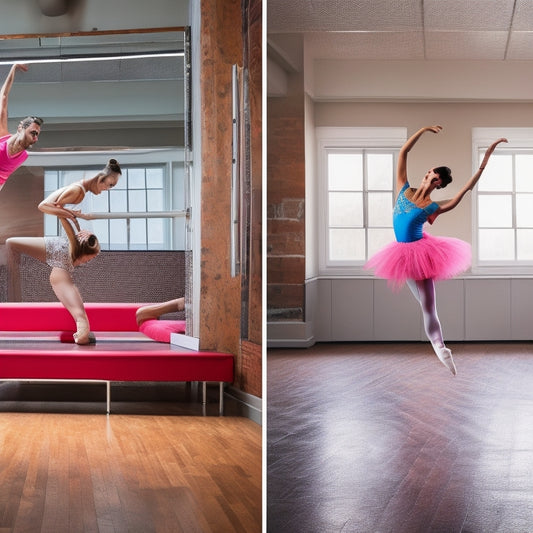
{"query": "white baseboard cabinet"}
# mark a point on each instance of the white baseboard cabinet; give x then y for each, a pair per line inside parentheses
(360, 309)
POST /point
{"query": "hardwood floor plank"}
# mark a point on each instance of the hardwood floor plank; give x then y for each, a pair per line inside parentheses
(380, 437)
(135, 473)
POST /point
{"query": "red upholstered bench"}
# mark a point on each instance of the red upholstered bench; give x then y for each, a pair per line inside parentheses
(127, 360)
(52, 316)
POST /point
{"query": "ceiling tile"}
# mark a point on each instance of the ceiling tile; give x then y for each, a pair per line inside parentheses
(523, 16)
(372, 46)
(471, 15)
(342, 15)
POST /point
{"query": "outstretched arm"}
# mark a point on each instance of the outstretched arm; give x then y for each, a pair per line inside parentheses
(54, 204)
(471, 183)
(401, 173)
(4, 94)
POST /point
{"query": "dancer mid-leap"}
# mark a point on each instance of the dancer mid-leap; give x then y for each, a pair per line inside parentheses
(417, 258)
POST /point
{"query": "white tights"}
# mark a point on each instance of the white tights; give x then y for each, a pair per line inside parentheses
(424, 292)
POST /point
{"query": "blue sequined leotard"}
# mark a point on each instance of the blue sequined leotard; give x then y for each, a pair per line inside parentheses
(408, 218)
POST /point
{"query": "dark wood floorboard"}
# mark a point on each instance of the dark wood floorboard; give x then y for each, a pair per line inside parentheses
(377, 438)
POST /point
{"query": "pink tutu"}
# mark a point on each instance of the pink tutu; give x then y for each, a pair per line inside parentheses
(428, 258)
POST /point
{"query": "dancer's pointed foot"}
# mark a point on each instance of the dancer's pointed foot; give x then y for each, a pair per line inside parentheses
(83, 334)
(445, 357)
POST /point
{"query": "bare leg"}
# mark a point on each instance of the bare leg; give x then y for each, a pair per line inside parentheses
(424, 292)
(152, 311)
(32, 246)
(68, 294)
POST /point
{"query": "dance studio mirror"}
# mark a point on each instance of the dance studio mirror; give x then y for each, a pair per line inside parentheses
(103, 96)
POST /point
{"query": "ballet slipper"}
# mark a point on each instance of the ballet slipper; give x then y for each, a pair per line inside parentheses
(83, 334)
(445, 357)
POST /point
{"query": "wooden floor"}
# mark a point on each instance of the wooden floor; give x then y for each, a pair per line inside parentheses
(154, 465)
(382, 438)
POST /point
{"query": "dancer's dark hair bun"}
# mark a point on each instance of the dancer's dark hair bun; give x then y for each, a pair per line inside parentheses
(113, 165)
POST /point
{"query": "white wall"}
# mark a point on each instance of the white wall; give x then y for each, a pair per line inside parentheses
(420, 80)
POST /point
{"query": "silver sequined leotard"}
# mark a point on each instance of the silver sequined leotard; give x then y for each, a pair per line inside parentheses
(58, 253)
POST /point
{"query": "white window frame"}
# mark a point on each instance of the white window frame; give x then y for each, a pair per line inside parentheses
(482, 138)
(345, 138)
(168, 157)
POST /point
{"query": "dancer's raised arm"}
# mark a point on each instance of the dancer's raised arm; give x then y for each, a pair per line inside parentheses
(470, 184)
(401, 173)
(4, 95)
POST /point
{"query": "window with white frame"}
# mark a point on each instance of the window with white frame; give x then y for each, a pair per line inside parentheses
(144, 211)
(503, 202)
(357, 179)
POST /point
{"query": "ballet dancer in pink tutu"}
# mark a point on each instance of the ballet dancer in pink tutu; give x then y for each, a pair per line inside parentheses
(417, 258)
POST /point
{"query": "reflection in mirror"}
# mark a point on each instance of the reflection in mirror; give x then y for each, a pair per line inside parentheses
(106, 96)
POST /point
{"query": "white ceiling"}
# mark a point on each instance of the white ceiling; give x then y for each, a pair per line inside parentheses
(427, 30)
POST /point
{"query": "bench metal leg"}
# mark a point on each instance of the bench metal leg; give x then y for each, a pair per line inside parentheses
(204, 392)
(220, 398)
(108, 395)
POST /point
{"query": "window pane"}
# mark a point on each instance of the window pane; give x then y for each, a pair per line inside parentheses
(345, 172)
(347, 244)
(524, 210)
(122, 182)
(380, 171)
(118, 201)
(154, 178)
(524, 172)
(156, 232)
(498, 175)
(378, 238)
(155, 200)
(136, 178)
(137, 200)
(495, 211)
(101, 229)
(100, 202)
(346, 209)
(380, 209)
(496, 245)
(137, 233)
(524, 244)
(118, 231)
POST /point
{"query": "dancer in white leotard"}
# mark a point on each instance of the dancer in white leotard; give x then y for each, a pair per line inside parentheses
(63, 255)
(74, 193)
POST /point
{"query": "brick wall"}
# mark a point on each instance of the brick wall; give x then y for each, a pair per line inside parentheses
(230, 34)
(286, 205)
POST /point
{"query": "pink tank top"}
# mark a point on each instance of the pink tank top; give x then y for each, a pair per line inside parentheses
(8, 164)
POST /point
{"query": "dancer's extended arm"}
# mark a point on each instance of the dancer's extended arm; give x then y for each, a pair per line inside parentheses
(401, 173)
(4, 94)
(470, 184)
(54, 204)
(69, 230)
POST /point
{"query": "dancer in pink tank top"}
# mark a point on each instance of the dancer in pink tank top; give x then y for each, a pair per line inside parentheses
(13, 146)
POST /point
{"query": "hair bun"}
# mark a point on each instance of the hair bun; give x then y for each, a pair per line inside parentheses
(113, 162)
